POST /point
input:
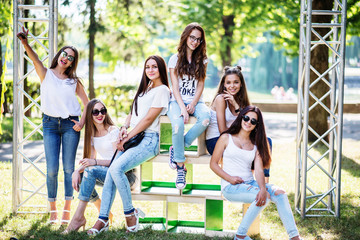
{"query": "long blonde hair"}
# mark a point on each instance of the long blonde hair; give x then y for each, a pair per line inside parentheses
(90, 128)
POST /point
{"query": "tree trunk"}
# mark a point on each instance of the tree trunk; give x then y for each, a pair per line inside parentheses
(92, 32)
(320, 61)
(226, 42)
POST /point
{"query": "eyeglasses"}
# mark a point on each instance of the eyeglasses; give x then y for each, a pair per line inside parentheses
(194, 39)
(253, 121)
(65, 54)
(95, 112)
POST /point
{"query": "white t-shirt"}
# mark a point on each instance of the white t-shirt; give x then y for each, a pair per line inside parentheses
(237, 162)
(103, 145)
(58, 96)
(187, 84)
(213, 129)
(157, 97)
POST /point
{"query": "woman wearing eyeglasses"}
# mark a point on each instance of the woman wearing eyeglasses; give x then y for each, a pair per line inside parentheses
(187, 72)
(59, 89)
(242, 144)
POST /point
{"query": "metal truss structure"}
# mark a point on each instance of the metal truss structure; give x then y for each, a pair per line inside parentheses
(318, 172)
(28, 197)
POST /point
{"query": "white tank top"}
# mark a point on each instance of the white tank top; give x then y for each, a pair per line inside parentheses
(58, 96)
(237, 162)
(103, 145)
(213, 129)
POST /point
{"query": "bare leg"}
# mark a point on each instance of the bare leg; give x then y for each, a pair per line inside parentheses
(97, 204)
(78, 219)
(66, 213)
(53, 212)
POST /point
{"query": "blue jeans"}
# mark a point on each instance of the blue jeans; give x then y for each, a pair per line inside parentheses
(116, 178)
(179, 141)
(246, 193)
(91, 176)
(59, 131)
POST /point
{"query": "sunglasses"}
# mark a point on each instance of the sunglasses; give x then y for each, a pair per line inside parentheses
(95, 112)
(194, 39)
(253, 121)
(65, 54)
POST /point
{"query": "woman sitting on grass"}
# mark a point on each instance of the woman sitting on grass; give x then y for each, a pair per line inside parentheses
(101, 136)
(242, 144)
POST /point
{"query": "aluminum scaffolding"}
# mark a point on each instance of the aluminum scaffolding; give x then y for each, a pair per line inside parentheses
(29, 197)
(318, 172)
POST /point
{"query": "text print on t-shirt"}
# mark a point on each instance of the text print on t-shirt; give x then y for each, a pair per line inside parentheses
(188, 87)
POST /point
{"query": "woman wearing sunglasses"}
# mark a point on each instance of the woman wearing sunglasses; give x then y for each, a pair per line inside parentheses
(101, 136)
(61, 109)
(242, 144)
(151, 101)
(187, 72)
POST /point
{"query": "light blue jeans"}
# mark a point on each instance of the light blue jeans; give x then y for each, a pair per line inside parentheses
(179, 141)
(246, 193)
(92, 175)
(116, 178)
(58, 131)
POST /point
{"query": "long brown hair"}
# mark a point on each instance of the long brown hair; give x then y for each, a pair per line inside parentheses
(71, 70)
(257, 135)
(240, 97)
(145, 81)
(196, 68)
(90, 128)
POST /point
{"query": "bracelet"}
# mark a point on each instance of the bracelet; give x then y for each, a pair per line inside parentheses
(126, 127)
(95, 161)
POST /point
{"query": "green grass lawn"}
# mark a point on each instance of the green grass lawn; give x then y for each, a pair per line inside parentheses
(34, 226)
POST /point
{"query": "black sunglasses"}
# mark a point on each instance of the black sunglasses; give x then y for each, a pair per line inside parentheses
(65, 54)
(253, 121)
(96, 112)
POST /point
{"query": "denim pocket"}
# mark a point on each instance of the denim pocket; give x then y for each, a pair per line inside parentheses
(45, 119)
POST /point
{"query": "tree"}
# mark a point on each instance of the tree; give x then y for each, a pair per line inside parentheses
(231, 26)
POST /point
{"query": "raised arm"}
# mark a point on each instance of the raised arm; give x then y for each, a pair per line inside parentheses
(80, 91)
(176, 93)
(220, 146)
(39, 67)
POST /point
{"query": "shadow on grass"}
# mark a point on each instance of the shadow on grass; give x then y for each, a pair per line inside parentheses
(6, 219)
(347, 164)
(48, 232)
(346, 227)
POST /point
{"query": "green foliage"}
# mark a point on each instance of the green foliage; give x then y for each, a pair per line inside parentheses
(118, 99)
(5, 14)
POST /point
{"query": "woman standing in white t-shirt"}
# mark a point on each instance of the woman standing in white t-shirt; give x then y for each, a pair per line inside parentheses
(151, 101)
(59, 89)
(187, 72)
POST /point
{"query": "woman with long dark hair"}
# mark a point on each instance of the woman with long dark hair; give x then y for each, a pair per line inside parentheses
(151, 101)
(61, 109)
(242, 144)
(230, 98)
(187, 72)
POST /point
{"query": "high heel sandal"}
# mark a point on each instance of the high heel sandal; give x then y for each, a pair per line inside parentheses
(138, 214)
(68, 230)
(54, 221)
(94, 231)
(65, 222)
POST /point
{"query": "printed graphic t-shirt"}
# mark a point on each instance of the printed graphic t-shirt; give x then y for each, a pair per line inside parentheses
(187, 84)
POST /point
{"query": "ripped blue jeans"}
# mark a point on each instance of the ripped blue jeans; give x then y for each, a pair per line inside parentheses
(246, 193)
(179, 140)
